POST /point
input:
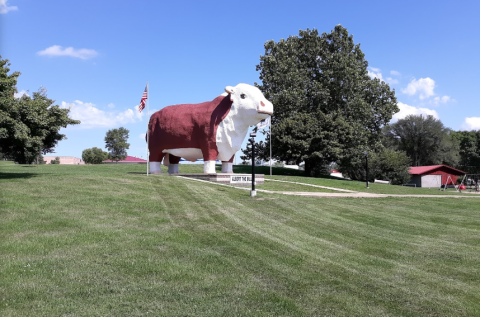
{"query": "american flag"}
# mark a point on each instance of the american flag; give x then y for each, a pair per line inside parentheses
(144, 98)
(264, 123)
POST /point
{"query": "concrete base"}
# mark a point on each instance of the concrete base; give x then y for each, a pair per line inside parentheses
(253, 193)
(228, 178)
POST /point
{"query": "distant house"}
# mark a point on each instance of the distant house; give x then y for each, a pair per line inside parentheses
(336, 173)
(67, 160)
(128, 160)
(434, 175)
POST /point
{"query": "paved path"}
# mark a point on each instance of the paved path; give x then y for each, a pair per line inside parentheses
(343, 192)
(362, 195)
(318, 186)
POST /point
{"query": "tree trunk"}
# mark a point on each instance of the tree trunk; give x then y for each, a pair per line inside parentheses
(308, 168)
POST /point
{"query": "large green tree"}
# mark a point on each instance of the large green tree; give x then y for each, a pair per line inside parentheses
(385, 164)
(326, 107)
(116, 143)
(469, 150)
(261, 152)
(424, 139)
(29, 126)
(94, 155)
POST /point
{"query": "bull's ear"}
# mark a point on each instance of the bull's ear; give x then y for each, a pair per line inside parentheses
(229, 90)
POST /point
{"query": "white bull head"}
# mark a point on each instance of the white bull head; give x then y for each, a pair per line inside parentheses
(249, 107)
(249, 102)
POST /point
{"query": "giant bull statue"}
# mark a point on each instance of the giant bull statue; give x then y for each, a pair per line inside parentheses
(210, 130)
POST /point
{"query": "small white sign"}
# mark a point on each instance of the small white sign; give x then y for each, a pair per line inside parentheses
(240, 179)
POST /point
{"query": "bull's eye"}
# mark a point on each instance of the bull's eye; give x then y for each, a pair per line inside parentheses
(243, 96)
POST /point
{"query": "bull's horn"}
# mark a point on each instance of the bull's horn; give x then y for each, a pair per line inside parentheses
(229, 90)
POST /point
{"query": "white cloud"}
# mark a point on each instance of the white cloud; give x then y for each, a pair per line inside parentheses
(57, 50)
(423, 87)
(439, 100)
(139, 114)
(391, 80)
(111, 105)
(374, 73)
(4, 8)
(377, 73)
(92, 117)
(20, 94)
(471, 123)
(142, 136)
(394, 73)
(406, 110)
(127, 116)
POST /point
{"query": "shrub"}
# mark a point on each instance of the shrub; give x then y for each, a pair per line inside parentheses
(94, 155)
(386, 164)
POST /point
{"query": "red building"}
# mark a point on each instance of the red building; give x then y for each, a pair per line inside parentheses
(129, 160)
(434, 175)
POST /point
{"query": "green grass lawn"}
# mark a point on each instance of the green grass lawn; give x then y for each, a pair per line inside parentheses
(107, 240)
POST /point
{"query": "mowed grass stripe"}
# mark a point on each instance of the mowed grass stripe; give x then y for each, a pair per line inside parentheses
(110, 241)
(221, 241)
(282, 233)
(374, 276)
(357, 224)
(271, 227)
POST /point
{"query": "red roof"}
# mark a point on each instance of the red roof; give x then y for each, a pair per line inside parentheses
(420, 170)
(129, 159)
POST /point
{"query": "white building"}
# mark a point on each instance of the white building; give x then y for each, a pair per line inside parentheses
(67, 160)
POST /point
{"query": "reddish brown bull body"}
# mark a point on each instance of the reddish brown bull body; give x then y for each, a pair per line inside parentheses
(187, 126)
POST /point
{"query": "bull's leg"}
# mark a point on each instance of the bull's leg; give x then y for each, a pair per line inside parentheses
(155, 163)
(227, 167)
(210, 153)
(173, 169)
(155, 168)
(209, 167)
(173, 166)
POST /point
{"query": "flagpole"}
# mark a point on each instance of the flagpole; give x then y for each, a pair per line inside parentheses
(148, 121)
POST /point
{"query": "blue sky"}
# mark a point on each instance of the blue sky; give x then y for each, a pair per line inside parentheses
(97, 56)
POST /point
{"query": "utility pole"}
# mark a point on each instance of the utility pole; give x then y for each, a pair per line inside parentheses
(366, 167)
(253, 192)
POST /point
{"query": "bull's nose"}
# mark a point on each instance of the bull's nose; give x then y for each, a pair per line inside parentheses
(265, 107)
(266, 111)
